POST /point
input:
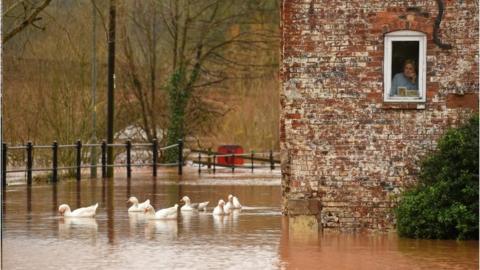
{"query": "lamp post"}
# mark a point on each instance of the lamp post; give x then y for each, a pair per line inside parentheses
(110, 83)
(93, 153)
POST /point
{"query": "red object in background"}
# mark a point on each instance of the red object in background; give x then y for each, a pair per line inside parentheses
(230, 149)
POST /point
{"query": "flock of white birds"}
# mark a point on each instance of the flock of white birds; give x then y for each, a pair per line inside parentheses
(163, 214)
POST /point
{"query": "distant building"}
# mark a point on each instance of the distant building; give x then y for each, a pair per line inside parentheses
(352, 137)
(136, 134)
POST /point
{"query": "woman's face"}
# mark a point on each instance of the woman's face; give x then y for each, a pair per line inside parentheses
(409, 70)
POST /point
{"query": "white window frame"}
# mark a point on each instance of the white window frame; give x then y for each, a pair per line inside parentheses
(422, 65)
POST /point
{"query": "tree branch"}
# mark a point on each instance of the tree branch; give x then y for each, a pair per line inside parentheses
(102, 18)
(26, 22)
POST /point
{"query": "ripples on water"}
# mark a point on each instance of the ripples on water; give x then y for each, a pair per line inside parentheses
(257, 237)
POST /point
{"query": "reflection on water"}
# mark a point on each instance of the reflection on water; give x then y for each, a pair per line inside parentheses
(78, 193)
(187, 219)
(161, 229)
(4, 198)
(110, 206)
(116, 239)
(29, 199)
(77, 227)
(136, 219)
(129, 187)
(219, 223)
(374, 251)
(256, 237)
(55, 203)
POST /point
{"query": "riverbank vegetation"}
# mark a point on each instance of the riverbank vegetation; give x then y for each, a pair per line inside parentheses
(444, 205)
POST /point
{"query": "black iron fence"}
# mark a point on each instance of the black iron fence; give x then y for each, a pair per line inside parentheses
(247, 160)
(201, 158)
(78, 146)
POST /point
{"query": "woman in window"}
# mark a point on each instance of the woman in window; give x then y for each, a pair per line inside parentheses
(407, 80)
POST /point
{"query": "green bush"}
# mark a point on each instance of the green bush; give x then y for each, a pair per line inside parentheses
(444, 204)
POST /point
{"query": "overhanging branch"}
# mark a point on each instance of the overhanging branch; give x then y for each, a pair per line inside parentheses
(26, 22)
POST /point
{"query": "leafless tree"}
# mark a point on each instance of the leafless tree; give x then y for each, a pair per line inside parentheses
(139, 64)
(179, 49)
(20, 14)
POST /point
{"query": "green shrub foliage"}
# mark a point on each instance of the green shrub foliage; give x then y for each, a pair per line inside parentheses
(444, 205)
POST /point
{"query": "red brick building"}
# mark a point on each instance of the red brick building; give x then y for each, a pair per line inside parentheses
(349, 142)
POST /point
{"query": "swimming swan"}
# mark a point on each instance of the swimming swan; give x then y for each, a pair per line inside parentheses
(89, 211)
(137, 207)
(236, 203)
(192, 206)
(219, 209)
(166, 213)
(229, 206)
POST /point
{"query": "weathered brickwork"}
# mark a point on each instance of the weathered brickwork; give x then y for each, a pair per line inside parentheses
(342, 146)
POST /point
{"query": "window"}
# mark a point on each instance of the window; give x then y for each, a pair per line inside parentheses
(405, 67)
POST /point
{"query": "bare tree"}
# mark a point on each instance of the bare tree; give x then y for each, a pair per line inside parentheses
(210, 40)
(47, 88)
(21, 14)
(139, 66)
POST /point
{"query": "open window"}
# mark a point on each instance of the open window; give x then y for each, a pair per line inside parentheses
(405, 67)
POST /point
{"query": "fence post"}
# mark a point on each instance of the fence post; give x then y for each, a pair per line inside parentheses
(251, 161)
(54, 162)
(155, 156)
(104, 159)
(214, 164)
(94, 159)
(4, 165)
(209, 159)
(128, 145)
(272, 164)
(79, 159)
(29, 163)
(199, 163)
(180, 156)
(233, 162)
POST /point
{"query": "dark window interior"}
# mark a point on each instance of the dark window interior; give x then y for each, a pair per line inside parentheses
(401, 51)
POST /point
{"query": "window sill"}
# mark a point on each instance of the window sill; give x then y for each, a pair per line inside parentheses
(401, 99)
(403, 106)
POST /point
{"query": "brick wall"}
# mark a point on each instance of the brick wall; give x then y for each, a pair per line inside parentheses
(346, 154)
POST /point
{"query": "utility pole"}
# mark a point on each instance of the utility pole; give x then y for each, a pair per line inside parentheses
(111, 86)
(154, 66)
(93, 153)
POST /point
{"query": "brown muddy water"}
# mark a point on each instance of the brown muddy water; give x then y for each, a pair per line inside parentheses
(258, 237)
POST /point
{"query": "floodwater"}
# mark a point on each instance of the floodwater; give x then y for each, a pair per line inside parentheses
(258, 237)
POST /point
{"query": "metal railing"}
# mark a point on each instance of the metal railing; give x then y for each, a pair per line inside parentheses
(205, 158)
(210, 159)
(78, 158)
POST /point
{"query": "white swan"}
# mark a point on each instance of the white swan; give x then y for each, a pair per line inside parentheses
(167, 213)
(137, 207)
(236, 203)
(192, 206)
(229, 204)
(89, 211)
(219, 209)
(203, 206)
